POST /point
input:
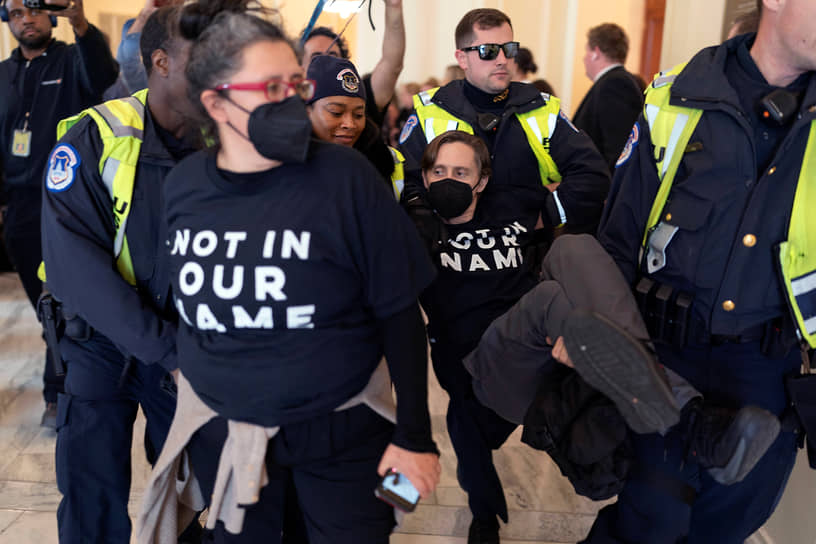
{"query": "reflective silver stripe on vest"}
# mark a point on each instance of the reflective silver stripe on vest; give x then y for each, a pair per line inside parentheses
(561, 212)
(651, 115)
(662, 80)
(671, 147)
(534, 126)
(430, 133)
(108, 175)
(425, 97)
(119, 129)
(804, 290)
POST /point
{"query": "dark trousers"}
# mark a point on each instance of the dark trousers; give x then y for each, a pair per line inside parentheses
(94, 434)
(475, 431)
(733, 375)
(331, 460)
(24, 249)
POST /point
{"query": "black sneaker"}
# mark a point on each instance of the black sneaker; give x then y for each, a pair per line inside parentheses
(483, 531)
(727, 442)
(619, 366)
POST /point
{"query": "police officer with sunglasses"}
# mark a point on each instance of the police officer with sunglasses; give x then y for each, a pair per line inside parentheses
(545, 172)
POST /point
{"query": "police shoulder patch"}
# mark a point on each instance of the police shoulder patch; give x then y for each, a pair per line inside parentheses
(566, 120)
(630, 146)
(62, 167)
(408, 128)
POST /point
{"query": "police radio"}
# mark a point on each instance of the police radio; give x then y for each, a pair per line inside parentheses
(778, 106)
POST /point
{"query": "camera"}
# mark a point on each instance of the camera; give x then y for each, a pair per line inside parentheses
(42, 6)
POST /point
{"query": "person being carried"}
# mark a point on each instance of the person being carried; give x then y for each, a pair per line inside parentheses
(490, 317)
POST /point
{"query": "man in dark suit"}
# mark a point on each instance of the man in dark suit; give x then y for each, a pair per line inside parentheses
(610, 108)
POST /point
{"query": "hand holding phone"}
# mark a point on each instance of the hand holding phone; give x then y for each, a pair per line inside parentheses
(42, 6)
(398, 491)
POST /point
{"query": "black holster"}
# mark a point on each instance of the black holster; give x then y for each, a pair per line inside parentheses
(802, 394)
(48, 312)
(665, 310)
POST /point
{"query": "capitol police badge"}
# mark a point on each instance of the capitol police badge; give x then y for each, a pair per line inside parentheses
(62, 166)
(349, 81)
(630, 146)
(408, 128)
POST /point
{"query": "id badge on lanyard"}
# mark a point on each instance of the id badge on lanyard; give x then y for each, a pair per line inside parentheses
(21, 142)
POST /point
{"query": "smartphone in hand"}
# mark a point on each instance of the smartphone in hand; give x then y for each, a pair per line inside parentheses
(398, 491)
(41, 5)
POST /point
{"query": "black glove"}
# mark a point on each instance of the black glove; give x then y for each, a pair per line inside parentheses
(429, 225)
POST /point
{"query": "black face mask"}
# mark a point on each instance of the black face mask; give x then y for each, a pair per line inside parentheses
(280, 131)
(450, 198)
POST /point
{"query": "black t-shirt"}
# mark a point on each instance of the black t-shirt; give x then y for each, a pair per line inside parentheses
(281, 280)
(481, 274)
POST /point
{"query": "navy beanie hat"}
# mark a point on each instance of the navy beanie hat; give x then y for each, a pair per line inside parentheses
(334, 76)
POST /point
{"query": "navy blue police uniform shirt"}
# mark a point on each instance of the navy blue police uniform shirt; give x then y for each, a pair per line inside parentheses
(57, 84)
(78, 237)
(280, 281)
(481, 274)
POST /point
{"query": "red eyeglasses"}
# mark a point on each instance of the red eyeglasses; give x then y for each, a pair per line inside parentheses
(275, 89)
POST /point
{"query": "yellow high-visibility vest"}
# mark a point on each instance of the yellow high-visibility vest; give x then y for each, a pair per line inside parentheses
(434, 120)
(671, 128)
(121, 127)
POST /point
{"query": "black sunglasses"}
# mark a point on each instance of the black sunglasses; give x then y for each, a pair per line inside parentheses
(489, 51)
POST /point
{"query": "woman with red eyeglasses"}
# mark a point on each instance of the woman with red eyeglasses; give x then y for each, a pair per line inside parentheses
(294, 273)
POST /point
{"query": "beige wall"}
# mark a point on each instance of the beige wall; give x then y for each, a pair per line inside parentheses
(690, 25)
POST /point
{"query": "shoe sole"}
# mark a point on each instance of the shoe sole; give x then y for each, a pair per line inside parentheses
(618, 366)
(757, 429)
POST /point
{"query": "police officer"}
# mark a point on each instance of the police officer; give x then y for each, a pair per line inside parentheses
(721, 212)
(103, 246)
(43, 81)
(532, 144)
(534, 148)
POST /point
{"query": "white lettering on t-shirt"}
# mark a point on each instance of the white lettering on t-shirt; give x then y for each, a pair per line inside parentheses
(505, 262)
(233, 239)
(206, 320)
(182, 313)
(447, 262)
(299, 245)
(269, 280)
(204, 243)
(263, 319)
(210, 280)
(269, 245)
(477, 263)
(468, 257)
(191, 286)
(300, 317)
(231, 292)
(462, 241)
(181, 243)
(484, 241)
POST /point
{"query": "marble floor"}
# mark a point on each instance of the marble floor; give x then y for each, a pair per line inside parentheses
(543, 507)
